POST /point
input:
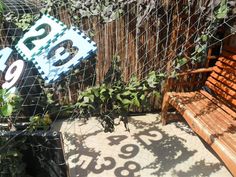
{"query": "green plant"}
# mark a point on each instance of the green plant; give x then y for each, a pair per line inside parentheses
(38, 122)
(107, 10)
(1, 7)
(23, 21)
(9, 102)
(11, 163)
(10, 157)
(110, 101)
(220, 10)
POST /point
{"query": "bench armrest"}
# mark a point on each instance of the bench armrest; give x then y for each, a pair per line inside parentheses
(196, 71)
(171, 82)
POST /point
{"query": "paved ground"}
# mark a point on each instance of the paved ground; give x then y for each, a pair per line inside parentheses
(148, 150)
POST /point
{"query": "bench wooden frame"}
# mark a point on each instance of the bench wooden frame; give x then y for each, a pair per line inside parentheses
(211, 116)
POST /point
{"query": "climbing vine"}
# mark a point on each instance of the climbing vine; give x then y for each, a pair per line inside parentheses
(217, 12)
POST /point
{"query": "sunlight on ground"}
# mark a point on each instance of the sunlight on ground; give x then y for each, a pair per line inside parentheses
(148, 150)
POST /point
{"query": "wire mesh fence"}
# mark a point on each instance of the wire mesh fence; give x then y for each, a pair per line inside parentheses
(135, 37)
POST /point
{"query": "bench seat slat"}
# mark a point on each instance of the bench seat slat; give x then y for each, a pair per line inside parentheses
(225, 108)
(202, 106)
(227, 62)
(224, 80)
(212, 116)
(215, 121)
(207, 119)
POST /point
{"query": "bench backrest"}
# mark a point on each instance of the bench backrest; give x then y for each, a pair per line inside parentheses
(222, 81)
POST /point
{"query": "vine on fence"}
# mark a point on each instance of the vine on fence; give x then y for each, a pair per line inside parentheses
(217, 11)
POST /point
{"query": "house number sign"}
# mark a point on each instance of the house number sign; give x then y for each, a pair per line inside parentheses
(53, 48)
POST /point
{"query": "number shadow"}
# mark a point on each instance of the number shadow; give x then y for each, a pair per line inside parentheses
(84, 160)
(169, 151)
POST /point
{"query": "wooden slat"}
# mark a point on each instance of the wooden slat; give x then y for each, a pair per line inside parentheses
(224, 150)
(194, 105)
(196, 71)
(221, 115)
(227, 75)
(222, 94)
(225, 68)
(211, 118)
(227, 61)
(220, 104)
(210, 106)
(217, 126)
(226, 90)
(225, 81)
(218, 119)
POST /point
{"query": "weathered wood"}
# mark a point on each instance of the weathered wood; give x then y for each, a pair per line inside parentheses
(201, 70)
(212, 117)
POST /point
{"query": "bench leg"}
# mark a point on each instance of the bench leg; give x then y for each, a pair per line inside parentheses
(165, 106)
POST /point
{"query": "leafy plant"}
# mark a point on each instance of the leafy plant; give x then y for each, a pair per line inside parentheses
(11, 163)
(38, 122)
(10, 157)
(23, 21)
(108, 10)
(220, 10)
(110, 101)
(8, 102)
(1, 7)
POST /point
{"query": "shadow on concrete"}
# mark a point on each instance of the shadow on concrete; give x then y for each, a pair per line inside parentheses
(168, 151)
(200, 168)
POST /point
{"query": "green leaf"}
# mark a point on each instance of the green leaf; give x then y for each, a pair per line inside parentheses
(86, 99)
(7, 109)
(127, 93)
(96, 93)
(142, 97)
(204, 37)
(222, 12)
(103, 90)
(156, 93)
(136, 102)
(126, 102)
(182, 61)
(118, 97)
(111, 92)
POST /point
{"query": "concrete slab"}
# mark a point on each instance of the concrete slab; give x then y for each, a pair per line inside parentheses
(148, 150)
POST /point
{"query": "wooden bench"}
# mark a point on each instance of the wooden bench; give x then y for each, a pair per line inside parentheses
(212, 116)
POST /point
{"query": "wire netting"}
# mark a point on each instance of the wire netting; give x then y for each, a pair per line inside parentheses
(165, 36)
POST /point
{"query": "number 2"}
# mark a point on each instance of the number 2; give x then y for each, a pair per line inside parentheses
(153, 136)
(43, 30)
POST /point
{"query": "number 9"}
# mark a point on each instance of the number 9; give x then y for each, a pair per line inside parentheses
(13, 74)
(129, 151)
